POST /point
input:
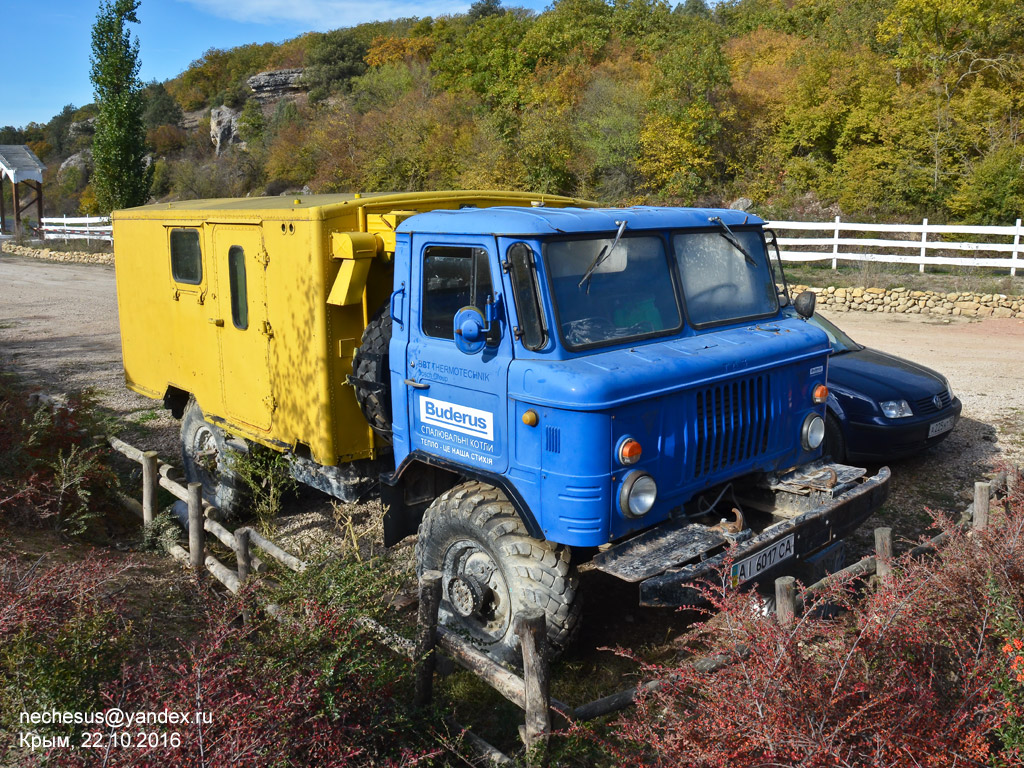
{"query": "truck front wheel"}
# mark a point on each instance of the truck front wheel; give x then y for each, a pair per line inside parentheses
(205, 450)
(492, 569)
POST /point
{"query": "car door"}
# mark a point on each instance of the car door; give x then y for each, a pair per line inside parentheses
(241, 321)
(456, 400)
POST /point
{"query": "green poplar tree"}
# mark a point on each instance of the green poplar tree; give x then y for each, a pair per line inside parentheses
(121, 178)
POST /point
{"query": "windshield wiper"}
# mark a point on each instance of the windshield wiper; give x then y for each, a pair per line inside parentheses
(733, 240)
(601, 256)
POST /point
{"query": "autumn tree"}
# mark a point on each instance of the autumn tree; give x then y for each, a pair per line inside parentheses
(122, 177)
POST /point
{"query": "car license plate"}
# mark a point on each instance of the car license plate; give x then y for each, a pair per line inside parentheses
(940, 426)
(753, 566)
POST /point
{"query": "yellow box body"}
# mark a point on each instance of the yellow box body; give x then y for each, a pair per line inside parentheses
(316, 268)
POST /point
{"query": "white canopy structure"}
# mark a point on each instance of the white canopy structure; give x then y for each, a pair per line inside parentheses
(20, 164)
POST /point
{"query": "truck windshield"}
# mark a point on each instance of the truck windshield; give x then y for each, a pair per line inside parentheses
(721, 283)
(605, 295)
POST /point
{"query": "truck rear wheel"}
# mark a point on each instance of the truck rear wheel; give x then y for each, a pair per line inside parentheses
(492, 569)
(205, 450)
(371, 375)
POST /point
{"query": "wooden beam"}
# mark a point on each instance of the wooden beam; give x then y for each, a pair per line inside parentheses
(17, 214)
(3, 205)
(39, 207)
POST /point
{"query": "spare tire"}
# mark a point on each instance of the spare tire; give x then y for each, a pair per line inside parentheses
(371, 374)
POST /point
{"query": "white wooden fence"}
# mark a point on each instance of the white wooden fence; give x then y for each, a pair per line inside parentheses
(916, 246)
(86, 228)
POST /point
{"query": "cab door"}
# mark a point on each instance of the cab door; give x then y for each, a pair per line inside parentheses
(456, 400)
(242, 326)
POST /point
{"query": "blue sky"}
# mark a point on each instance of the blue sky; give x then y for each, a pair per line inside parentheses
(53, 40)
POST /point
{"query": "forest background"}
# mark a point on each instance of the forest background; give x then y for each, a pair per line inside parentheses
(880, 110)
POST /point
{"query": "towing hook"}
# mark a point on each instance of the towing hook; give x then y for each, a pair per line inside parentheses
(734, 527)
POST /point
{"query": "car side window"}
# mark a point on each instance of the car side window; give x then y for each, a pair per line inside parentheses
(239, 294)
(453, 277)
(186, 257)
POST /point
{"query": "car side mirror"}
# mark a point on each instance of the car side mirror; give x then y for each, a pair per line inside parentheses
(804, 303)
(471, 328)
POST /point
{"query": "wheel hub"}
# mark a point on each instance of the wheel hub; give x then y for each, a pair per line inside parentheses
(467, 595)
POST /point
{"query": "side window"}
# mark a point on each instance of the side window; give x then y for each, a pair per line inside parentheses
(186, 257)
(239, 297)
(524, 288)
(453, 277)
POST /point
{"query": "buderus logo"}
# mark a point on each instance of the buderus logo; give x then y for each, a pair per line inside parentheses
(468, 421)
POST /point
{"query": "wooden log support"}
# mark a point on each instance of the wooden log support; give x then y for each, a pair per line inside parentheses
(883, 554)
(196, 543)
(286, 559)
(860, 570)
(426, 637)
(982, 492)
(243, 558)
(785, 601)
(400, 645)
(222, 573)
(230, 540)
(169, 473)
(492, 755)
(149, 485)
(508, 684)
(122, 447)
(533, 640)
(177, 490)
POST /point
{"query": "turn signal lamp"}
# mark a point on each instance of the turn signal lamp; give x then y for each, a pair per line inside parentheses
(629, 452)
(820, 393)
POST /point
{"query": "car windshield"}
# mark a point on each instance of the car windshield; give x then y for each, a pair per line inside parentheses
(723, 282)
(606, 295)
(839, 340)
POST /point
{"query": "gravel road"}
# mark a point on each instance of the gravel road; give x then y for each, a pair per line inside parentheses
(58, 329)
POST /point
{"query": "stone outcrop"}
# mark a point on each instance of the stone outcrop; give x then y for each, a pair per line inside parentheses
(269, 87)
(82, 128)
(905, 301)
(81, 162)
(224, 128)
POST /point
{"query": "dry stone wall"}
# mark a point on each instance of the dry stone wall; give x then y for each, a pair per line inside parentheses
(905, 301)
(76, 257)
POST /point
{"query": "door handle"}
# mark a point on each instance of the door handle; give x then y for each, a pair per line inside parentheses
(416, 385)
(216, 321)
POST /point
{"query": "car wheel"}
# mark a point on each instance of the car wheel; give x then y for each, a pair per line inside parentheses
(835, 443)
(205, 449)
(492, 569)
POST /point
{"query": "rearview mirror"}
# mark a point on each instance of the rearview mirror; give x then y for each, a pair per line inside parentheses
(804, 304)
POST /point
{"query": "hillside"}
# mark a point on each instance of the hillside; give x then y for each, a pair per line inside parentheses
(895, 109)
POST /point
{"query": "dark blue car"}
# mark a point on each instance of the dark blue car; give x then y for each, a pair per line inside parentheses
(882, 407)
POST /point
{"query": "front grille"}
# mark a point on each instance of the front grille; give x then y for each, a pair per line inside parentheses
(926, 405)
(733, 423)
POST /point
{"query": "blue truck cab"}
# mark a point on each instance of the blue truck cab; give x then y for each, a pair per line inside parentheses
(627, 387)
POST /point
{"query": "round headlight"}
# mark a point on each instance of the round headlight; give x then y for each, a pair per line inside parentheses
(638, 494)
(813, 432)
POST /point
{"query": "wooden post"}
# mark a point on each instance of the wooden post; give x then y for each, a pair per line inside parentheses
(1016, 250)
(149, 478)
(39, 208)
(785, 601)
(17, 212)
(981, 502)
(835, 245)
(244, 558)
(426, 637)
(924, 241)
(195, 527)
(532, 632)
(883, 554)
(3, 205)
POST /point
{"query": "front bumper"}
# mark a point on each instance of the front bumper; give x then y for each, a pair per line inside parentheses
(812, 531)
(882, 439)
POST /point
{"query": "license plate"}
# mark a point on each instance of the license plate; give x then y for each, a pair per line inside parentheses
(940, 426)
(753, 566)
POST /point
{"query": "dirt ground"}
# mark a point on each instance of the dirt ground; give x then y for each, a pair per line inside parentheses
(58, 329)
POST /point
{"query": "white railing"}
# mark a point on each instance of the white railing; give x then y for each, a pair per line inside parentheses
(86, 228)
(917, 240)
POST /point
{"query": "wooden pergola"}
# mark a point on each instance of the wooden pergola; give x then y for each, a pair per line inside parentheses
(20, 164)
